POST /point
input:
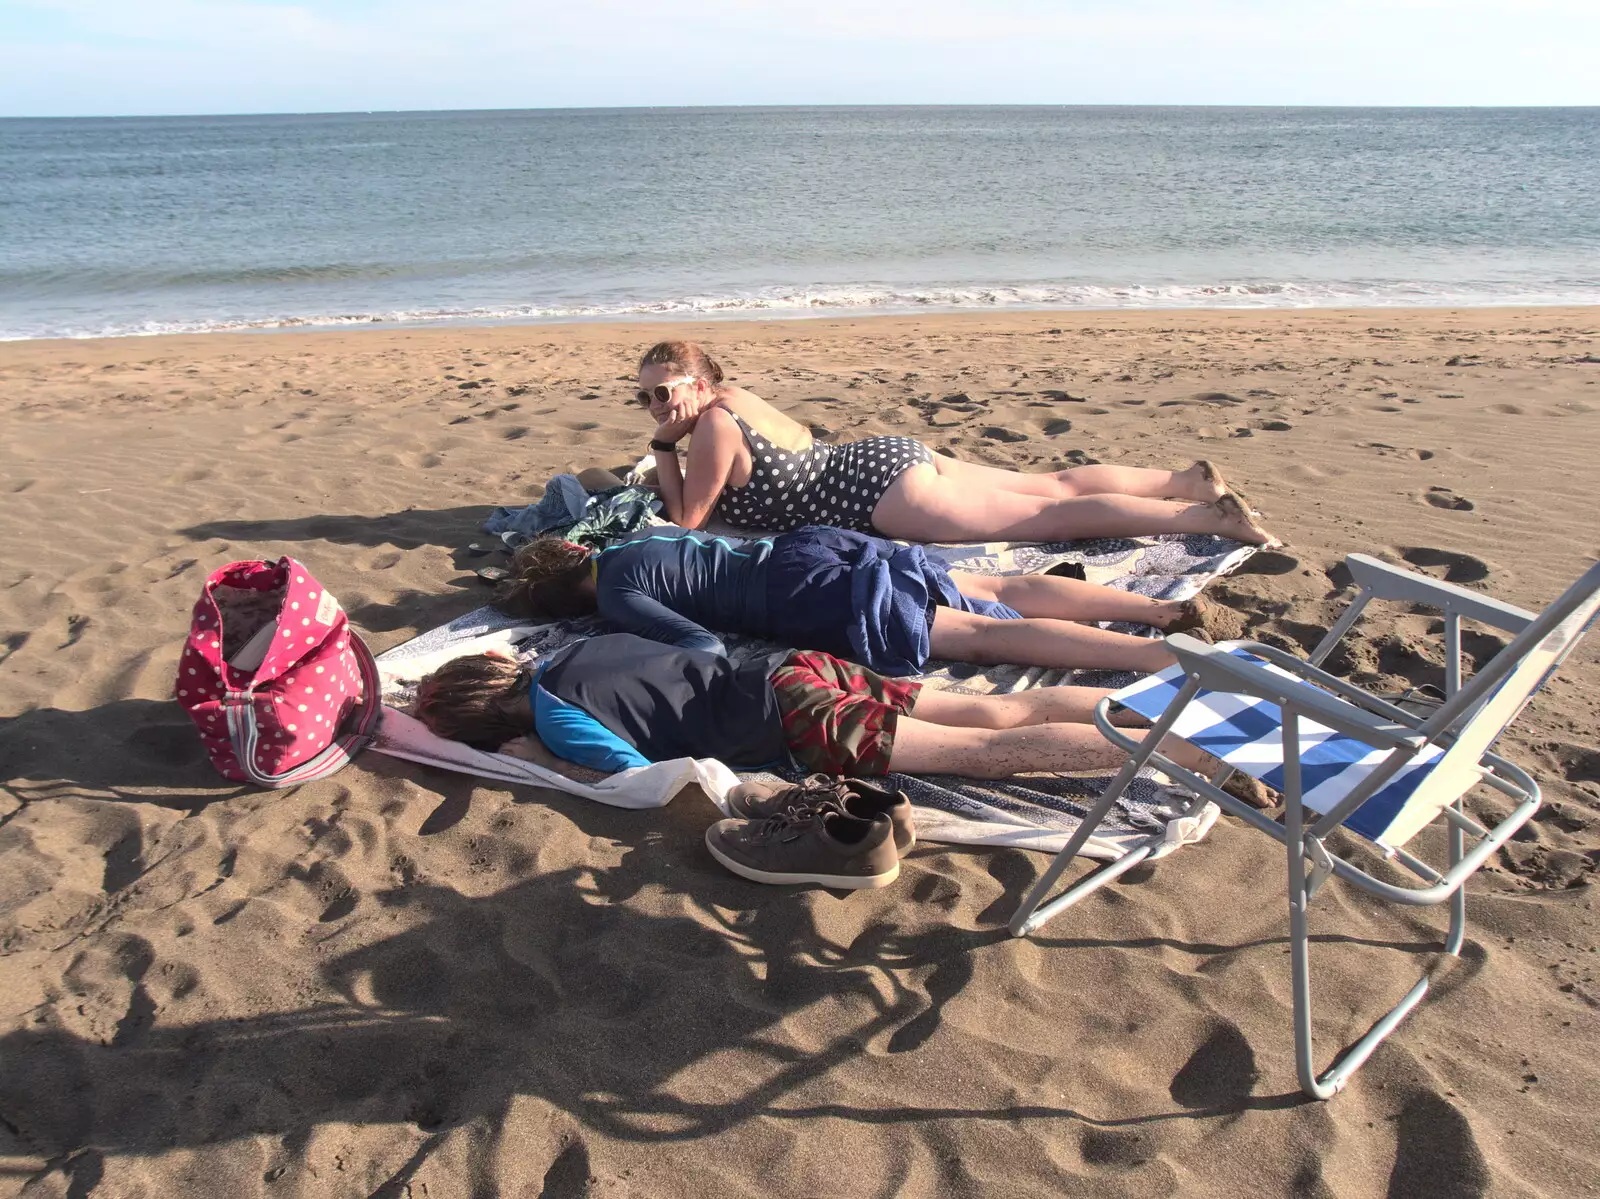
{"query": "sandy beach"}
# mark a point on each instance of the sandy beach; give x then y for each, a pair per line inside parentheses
(394, 982)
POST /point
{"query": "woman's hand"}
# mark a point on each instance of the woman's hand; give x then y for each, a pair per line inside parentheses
(674, 430)
(686, 403)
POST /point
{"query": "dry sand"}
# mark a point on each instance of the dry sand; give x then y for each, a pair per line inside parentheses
(398, 983)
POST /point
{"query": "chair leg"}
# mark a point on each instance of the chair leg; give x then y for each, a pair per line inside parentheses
(1029, 915)
(1333, 1080)
(1458, 901)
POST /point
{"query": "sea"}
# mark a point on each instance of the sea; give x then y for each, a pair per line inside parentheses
(127, 226)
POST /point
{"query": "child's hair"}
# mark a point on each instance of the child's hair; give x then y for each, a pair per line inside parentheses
(471, 699)
(546, 575)
(687, 356)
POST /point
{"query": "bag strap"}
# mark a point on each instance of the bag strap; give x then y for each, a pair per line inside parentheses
(246, 735)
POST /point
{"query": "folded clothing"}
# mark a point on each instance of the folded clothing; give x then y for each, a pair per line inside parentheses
(568, 510)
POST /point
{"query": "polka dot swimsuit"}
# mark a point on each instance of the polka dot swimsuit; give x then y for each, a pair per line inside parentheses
(835, 485)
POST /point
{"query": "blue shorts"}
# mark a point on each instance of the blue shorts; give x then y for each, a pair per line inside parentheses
(861, 598)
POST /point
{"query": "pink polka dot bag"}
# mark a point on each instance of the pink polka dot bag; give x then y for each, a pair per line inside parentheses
(279, 686)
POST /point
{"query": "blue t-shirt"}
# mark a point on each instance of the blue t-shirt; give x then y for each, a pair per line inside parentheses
(617, 701)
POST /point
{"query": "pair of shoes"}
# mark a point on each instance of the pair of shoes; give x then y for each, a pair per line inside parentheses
(840, 833)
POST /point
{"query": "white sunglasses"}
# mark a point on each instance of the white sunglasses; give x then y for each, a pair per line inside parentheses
(662, 392)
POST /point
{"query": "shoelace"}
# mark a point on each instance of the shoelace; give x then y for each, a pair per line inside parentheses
(789, 822)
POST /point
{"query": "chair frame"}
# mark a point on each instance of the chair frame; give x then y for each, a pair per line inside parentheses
(1303, 832)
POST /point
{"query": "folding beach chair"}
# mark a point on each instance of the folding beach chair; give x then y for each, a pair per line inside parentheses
(1341, 756)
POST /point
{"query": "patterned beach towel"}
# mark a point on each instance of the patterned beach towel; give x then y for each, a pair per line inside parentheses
(1034, 811)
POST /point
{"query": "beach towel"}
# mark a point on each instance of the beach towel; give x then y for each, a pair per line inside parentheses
(1034, 811)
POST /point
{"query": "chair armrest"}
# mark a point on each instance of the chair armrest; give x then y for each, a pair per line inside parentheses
(1219, 670)
(1332, 682)
(1394, 583)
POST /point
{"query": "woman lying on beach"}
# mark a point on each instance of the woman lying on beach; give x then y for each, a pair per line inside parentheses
(889, 607)
(619, 701)
(758, 469)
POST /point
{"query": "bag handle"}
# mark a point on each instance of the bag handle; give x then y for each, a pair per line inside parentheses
(245, 734)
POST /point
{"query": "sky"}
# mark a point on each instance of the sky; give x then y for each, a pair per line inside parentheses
(139, 57)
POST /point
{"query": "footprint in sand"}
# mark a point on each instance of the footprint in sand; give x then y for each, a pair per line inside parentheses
(1457, 567)
(1274, 426)
(1269, 562)
(1001, 433)
(1057, 427)
(516, 433)
(1443, 497)
(1114, 1147)
(1220, 1074)
(11, 643)
(1507, 409)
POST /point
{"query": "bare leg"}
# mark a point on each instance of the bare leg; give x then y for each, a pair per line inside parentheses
(921, 747)
(922, 505)
(1067, 599)
(964, 637)
(1038, 705)
(1200, 482)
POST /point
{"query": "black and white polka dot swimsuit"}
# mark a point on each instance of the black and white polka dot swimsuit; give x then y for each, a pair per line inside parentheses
(835, 485)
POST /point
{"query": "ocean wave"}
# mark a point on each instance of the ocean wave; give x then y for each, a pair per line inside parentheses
(874, 299)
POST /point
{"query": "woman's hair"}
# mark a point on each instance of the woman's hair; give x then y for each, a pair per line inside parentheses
(687, 356)
(471, 699)
(546, 574)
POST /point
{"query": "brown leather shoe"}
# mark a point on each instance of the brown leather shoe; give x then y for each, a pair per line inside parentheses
(759, 800)
(820, 845)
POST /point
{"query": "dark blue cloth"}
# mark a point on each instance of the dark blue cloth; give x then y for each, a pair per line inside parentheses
(850, 594)
(862, 598)
(661, 701)
(675, 585)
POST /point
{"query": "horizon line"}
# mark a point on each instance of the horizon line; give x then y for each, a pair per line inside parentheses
(566, 108)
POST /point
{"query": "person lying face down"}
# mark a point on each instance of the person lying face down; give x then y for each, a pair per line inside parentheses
(619, 701)
(862, 598)
(757, 468)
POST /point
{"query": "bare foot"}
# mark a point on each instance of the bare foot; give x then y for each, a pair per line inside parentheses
(1253, 791)
(1238, 523)
(1210, 620)
(1203, 482)
(1214, 486)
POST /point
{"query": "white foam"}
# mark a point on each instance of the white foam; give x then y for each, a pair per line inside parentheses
(798, 302)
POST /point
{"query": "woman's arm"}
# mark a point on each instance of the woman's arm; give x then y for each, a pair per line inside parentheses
(690, 491)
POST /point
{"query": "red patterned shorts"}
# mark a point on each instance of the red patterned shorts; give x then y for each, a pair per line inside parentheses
(839, 718)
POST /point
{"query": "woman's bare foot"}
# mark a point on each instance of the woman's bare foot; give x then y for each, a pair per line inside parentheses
(1203, 482)
(1239, 524)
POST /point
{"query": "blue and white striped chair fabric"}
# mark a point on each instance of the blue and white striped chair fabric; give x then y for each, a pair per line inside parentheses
(1246, 732)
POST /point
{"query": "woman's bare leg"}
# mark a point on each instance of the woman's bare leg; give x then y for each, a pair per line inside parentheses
(965, 637)
(922, 505)
(1068, 599)
(1200, 482)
